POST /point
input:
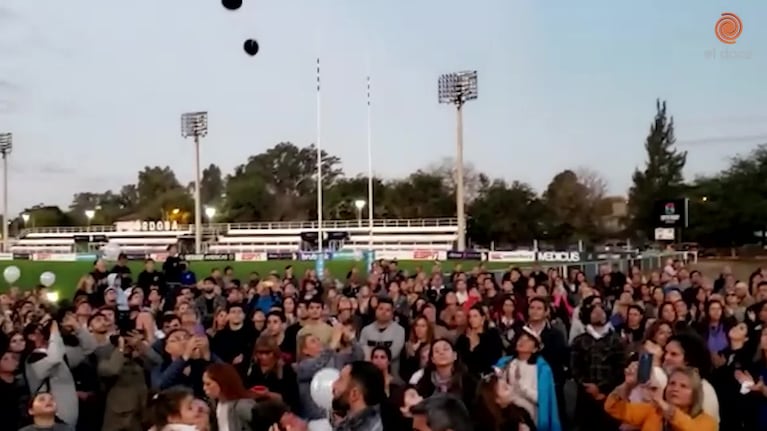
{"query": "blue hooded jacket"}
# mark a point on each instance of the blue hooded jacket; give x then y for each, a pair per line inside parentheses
(548, 411)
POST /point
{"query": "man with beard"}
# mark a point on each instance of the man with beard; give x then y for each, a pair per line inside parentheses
(597, 363)
(357, 395)
(207, 303)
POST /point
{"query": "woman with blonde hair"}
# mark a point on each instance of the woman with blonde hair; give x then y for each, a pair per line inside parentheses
(314, 356)
(677, 408)
(220, 320)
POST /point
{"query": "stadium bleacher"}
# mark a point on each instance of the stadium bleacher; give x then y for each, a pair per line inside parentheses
(150, 237)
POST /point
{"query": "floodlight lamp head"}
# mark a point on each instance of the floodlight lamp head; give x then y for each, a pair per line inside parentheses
(457, 88)
(360, 203)
(194, 124)
(6, 143)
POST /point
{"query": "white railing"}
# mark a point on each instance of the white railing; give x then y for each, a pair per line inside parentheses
(326, 224)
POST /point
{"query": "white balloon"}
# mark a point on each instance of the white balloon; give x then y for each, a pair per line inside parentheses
(321, 388)
(319, 425)
(47, 278)
(111, 251)
(11, 273)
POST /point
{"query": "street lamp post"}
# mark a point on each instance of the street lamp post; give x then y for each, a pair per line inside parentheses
(210, 212)
(360, 205)
(195, 124)
(6, 144)
(457, 89)
(89, 214)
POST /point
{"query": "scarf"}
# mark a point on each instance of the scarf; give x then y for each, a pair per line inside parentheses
(599, 333)
(441, 384)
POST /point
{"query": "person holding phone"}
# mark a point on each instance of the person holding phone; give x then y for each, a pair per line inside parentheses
(677, 408)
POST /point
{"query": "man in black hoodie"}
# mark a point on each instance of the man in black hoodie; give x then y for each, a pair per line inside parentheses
(234, 344)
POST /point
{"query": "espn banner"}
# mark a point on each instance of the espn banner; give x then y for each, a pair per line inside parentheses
(411, 255)
(250, 257)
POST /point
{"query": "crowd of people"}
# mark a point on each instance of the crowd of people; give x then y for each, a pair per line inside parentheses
(459, 350)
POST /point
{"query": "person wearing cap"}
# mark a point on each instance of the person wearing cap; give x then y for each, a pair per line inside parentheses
(531, 381)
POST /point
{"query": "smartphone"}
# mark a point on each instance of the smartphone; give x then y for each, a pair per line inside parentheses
(644, 371)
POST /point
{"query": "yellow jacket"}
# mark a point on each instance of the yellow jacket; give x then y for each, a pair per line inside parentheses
(648, 418)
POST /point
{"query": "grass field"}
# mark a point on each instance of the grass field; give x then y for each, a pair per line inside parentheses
(68, 273)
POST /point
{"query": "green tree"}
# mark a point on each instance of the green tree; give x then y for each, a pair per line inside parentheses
(159, 192)
(506, 215)
(211, 185)
(575, 205)
(288, 176)
(726, 209)
(661, 177)
(420, 195)
(47, 215)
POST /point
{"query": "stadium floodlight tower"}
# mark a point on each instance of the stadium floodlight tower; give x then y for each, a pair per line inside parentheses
(457, 89)
(6, 144)
(195, 125)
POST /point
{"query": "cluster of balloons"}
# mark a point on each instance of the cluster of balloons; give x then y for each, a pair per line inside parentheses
(321, 391)
(12, 273)
(251, 45)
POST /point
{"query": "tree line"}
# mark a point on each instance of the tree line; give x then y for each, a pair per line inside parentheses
(280, 184)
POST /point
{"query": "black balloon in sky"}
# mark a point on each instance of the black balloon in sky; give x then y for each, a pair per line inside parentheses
(251, 47)
(231, 4)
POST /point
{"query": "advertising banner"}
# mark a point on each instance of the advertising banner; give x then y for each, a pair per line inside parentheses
(158, 257)
(6, 256)
(558, 256)
(314, 255)
(428, 255)
(354, 255)
(519, 256)
(208, 257)
(21, 256)
(135, 256)
(250, 256)
(87, 257)
(280, 255)
(464, 255)
(670, 213)
(394, 254)
(54, 257)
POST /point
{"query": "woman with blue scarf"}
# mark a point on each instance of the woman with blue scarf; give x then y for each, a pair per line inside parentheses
(532, 381)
